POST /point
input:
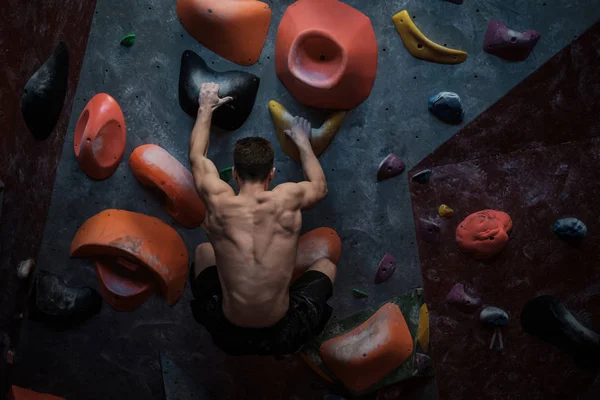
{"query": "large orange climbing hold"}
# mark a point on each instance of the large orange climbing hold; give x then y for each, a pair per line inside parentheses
(363, 356)
(326, 54)
(484, 234)
(234, 29)
(136, 241)
(316, 244)
(123, 285)
(18, 393)
(100, 137)
(154, 167)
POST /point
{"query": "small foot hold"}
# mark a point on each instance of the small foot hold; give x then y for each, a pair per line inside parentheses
(386, 268)
(508, 44)
(459, 2)
(359, 294)
(422, 177)
(420, 47)
(570, 229)
(494, 316)
(429, 231)
(445, 212)
(128, 40)
(423, 365)
(54, 302)
(423, 328)
(447, 107)
(390, 167)
(460, 298)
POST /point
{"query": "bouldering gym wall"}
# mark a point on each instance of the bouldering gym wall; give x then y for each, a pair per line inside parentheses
(460, 143)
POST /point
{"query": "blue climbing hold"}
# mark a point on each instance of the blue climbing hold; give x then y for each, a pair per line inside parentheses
(447, 107)
(570, 229)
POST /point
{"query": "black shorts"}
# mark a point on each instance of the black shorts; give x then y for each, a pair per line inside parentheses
(307, 316)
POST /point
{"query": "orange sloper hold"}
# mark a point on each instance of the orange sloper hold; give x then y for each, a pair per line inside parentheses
(234, 29)
(18, 393)
(484, 234)
(140, 241)
(316, 244)
(154, 167)
(100, 137)
(326, 54)
(363, 356)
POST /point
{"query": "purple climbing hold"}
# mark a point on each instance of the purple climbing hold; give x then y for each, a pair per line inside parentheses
(386, 268)
(429, 230)
(460, 298)
(508, 44)
(390, 167)
(423, 365)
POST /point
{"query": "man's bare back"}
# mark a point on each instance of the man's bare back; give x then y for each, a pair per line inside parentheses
(254, 239)
(251, 290)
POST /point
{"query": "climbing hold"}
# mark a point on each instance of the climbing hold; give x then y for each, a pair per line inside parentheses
(363, 356)
(484, 234)
(386, 268)
(423, 365)
(390, 167)
(447, 107)
(319, 138)
(100, 137)
(54, 302)
(226, 174)
(319, 60)
(359, 294)
(459, 2)
(445, 211)
(494, 316)
(44, 93)
(420, 47)
(570, 229)
(547, 318)
(422, 177)
(423, 329)
(144, 242)
(459, 297)
(317, 244)
(128, 40)
(429, 231)
(155, 168)
(333, 397)
(123, 288)
(508, 44)
(17, 393)
(235, 30)
(242, 86)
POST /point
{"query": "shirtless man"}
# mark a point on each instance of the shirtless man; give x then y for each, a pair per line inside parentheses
(241, 285)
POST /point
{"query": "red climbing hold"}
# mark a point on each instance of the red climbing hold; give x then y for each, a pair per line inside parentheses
(100, 137)
(155, 168)
(390, 167)
(484, 234)
(508, 44)
(322, 61)
(18, 393)
(386, 268)
(365, 355)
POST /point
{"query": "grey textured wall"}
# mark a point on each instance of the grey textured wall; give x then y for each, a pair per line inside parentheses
(371, 218)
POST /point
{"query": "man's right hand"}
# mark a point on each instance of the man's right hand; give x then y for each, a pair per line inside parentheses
(300, 133)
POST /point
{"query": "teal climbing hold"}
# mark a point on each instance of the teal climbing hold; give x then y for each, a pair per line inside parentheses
(128, 40)
(359, 294)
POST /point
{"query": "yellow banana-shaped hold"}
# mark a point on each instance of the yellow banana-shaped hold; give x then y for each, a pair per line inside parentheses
(423, 329)
(319, 138)
(420, 47)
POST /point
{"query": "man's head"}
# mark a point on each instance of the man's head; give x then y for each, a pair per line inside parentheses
(253, 160)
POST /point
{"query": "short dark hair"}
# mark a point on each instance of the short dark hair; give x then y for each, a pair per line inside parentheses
(253, 159)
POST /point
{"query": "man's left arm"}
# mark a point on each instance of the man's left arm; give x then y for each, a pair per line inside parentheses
(206, 177)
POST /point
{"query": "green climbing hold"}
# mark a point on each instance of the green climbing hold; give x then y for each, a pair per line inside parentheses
(226, 174)
(128, 40)
(359, 294)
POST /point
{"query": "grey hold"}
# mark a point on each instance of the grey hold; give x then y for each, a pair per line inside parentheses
(570, 229)
(494, 316)
(447, 107)
(422, 177)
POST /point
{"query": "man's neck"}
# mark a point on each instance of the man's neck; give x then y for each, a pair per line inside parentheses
(252, 188)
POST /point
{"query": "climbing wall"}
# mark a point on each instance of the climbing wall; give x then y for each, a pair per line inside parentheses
(116, 355)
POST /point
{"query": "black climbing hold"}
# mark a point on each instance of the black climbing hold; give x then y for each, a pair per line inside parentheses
(54, 302)
(570, 229)
(242, 86)
(494, 316)
(359, 294)
(422, 176)
(447, 107)
(128, 40)
(547, 318)
(44, 93)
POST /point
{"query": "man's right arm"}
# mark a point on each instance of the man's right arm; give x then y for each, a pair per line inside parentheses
(305, 194)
